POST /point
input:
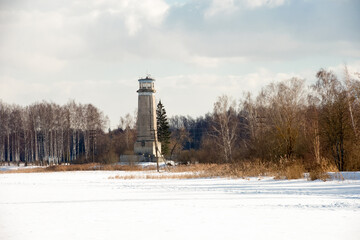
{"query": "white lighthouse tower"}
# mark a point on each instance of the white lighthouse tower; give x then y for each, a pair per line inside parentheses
(147, 143)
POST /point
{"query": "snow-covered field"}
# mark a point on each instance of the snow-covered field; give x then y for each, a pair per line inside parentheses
(89, 205)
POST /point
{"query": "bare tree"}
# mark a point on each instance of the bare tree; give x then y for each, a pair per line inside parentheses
(178, 138)
(225, 126)
(16, 129)
(286, 101)
(352, 101)
(26, 134)
(4, 132)
(34, 119)
(46, 132)
(334, 115)
(312, 129)
(94, 124)
(127, 124)
(254, 113)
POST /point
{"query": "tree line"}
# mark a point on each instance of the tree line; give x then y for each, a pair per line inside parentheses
(285, 120)
(47, 133)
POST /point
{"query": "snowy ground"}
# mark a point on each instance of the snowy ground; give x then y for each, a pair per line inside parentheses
(16, 167)
(89, 205)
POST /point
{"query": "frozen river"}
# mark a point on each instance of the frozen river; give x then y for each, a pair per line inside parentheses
(90, 205)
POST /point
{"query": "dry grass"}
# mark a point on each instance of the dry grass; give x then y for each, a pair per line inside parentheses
(290, 169)
(108, 167)
(182, 172)
(284, 169)
(243, 169)
(192, 168)
(320, 171)
(80, 167)
(166, 176)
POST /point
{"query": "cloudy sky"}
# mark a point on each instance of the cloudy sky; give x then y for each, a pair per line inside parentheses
(94, 51)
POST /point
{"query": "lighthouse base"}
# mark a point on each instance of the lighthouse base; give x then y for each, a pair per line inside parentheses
(138, 159)
(147, 148)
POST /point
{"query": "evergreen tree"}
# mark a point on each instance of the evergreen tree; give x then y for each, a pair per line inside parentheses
(163, 131)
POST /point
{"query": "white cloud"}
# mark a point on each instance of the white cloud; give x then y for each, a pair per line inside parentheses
(17, 91)
(136, 13)
(199, 91)
(205, 61)
(45, 40)
(339, 70)
(263, 3)
(226, 84)
(220, 6)
(230, 6)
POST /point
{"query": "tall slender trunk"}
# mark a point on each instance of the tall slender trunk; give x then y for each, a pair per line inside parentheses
(56, 150)
(31, 147)
(13, 148)
(316, 143)
(94, 144)
(17, 148)
(40, 149)
(46, 145)
(77, 144)
(2, 155)
(68, 146)
(36, 146)
(51, 148)
(8, 148)
(74, 144)
(25, 149)
(61, 148)
(348, 98)
(86, 144)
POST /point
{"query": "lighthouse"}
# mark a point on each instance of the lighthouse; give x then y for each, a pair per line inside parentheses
(146, 142)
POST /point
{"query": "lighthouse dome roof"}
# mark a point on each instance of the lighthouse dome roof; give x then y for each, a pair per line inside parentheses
(147, 79)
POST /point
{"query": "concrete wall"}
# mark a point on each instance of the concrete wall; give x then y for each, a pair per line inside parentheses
(146, 121)
(147, 148)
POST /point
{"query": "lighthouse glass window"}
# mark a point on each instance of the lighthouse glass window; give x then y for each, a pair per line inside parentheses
(146, 85)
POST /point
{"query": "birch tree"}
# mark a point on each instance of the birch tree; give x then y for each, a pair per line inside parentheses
(334, 115)
(352, 96)
(225, 126)
(4, 133)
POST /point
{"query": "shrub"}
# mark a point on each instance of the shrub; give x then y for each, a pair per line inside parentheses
(318, 174)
